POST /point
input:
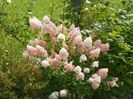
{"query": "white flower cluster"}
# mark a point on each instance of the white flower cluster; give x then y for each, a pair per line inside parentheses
(56, 95)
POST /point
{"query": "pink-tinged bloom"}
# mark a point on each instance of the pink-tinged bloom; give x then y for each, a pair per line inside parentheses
(78, 40)
(97, 43)
(104, 47)
(95, 81)
(50, 29)
(41, 51)
(95, 85)
(69, 67)
(94, 53)
(113, 83)
(54, 62)
(46, 20)
(103, 72)
(40, 43)
(64, 45)
(80, 76)
(31, 51)
(87, 43)
(74, 33)
(63, 54)
(35, 23)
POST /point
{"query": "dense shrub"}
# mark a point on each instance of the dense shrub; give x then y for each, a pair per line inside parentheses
(112, 22)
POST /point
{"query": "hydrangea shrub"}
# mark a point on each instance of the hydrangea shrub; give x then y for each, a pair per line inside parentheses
(70, 58)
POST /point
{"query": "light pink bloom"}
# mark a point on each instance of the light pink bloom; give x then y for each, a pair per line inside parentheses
(97, 43)
(41, 51)
(50, 29)
(113, 82)
(40, 42)
(95, 85)
(31, 50)
(95, 81)
(69, 67)
(104, 47)
(87, 43)
(94, 53)
(63, 54)
(35, 23)
(78, 40)
(64, 45)
(80, 76)
(74, 33)
(103, 72)
(54, 62)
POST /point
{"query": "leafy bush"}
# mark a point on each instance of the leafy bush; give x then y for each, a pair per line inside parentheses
(112, 22)
(69, 60)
